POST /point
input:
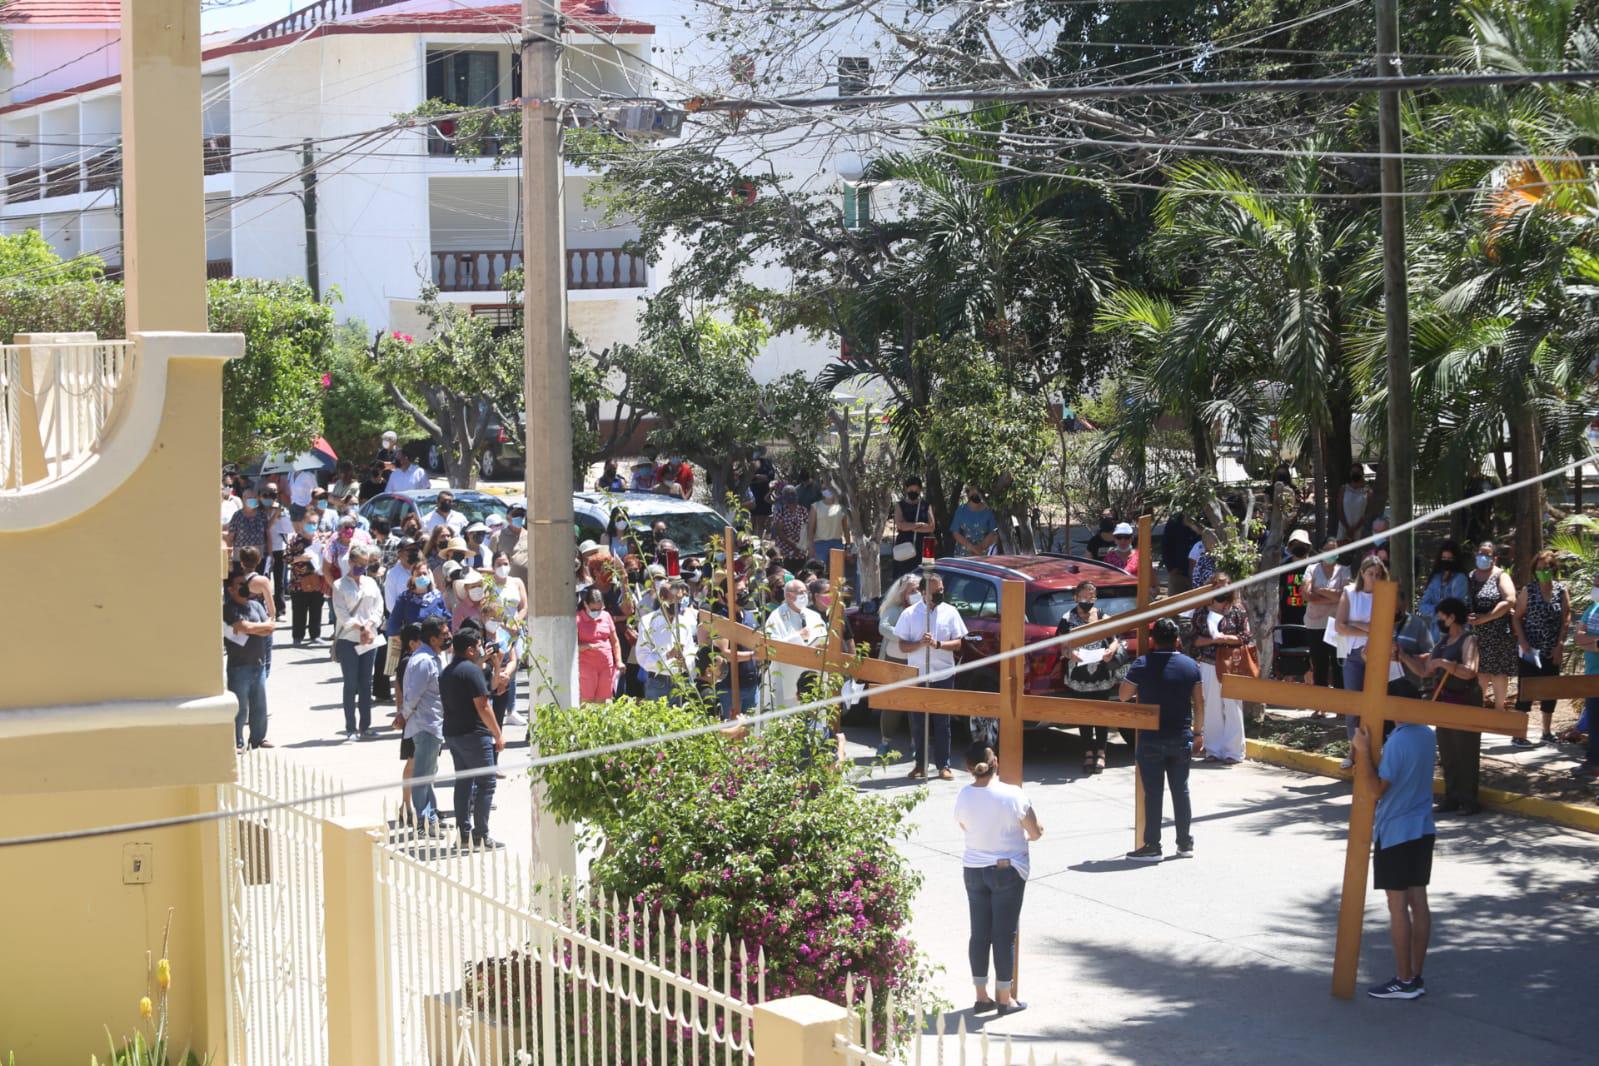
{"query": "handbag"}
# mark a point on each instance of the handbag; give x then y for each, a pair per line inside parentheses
(1339, 642)
(904, 552)
(1242, 660)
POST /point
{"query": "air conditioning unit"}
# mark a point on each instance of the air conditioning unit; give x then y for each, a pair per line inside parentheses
(647, 121)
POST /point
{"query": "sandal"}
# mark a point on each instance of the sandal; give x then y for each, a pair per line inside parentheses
(1099, 763)
(916, 774)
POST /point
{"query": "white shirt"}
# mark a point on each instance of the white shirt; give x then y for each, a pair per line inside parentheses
(411, 477)
(357, 601)
(992, 816)
(433, 520)
(913, 625)
(279, 532)
(231, 506)
(394, 583)
(658, 635)
(1196, 551)
(301, 487)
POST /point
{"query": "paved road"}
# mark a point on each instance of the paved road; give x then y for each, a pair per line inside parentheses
(1222, 958)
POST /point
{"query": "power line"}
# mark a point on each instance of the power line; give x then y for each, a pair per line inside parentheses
(1114, 626)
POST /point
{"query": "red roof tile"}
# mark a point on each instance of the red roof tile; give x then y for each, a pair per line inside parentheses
(61, 12)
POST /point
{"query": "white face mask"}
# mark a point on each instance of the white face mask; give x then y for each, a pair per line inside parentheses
(1594, 595)
(502, 572)
(621, 525)
(802, 601)
(475, 593)
(913, 599)
(595, 613)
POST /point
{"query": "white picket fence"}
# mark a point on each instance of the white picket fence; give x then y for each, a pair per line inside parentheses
(901, 1038)
(488, 960)
(57, 397)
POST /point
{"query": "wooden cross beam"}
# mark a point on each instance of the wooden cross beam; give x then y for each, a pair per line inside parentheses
(1567, 687)
(1374, 705)
(1011, 704)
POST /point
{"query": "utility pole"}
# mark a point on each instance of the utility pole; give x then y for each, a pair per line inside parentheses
(1396, 300)
(313, 264)
(552, 607)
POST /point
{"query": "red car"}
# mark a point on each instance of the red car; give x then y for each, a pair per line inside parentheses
(972, 587)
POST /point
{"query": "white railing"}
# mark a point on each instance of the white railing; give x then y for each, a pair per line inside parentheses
(484, 960)
(273, 910)
(881, 1033)
(59, 394)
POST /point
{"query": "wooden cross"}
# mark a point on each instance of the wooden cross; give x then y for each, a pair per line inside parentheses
(1373, 704)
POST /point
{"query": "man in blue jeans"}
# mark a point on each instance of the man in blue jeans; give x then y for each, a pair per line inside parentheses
(423, 710)
(473, 736)
(246, 641)
(1170, 680)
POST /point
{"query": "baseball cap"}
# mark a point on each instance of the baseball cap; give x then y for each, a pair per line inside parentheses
(1123, 529)
(1299, 536)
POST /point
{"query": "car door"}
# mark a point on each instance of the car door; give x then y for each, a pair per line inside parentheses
(977, 599)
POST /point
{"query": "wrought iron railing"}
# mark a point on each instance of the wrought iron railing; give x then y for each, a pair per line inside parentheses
(312, 15)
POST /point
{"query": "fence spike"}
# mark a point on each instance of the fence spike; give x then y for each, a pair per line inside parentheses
(866, 1021)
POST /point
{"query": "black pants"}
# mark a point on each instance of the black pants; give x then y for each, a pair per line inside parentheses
(1162, 762)
(307, 614)
(1526, 669)
(279, 580)
(1324, 665)
(380, 674)
(1460, 752)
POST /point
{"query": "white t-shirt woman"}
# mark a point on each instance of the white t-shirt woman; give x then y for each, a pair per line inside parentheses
(992, 816)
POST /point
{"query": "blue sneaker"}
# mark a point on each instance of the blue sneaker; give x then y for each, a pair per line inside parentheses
(1397, 989)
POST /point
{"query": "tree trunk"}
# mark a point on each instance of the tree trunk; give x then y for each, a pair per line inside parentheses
(718, 479)
(869, 553)
(1525, 438)
(1318, 463)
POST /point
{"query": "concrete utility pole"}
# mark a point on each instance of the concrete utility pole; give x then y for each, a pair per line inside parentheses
(313, 264)
(1396, 300)
(552, 608)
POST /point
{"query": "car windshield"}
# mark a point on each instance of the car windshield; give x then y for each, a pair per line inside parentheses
(476, 507)
(691, 531)
(1047, 609)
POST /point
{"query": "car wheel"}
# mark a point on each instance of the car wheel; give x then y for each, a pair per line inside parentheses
(486, 466)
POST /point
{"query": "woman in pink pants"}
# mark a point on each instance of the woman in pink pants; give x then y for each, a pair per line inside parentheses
(599, 653)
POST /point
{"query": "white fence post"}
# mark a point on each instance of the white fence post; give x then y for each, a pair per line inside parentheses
(798, 1031)
(353, 938)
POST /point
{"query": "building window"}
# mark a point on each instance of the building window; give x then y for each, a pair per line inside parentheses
(854, 75)
(503, 319)
(466, 79)
(857, 206)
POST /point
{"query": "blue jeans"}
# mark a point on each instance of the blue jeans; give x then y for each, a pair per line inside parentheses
(505, 702)
(939, 729)
(661, 687)
(994, 898)
(248, 684)
(1162, 761)
(1354, 681)
(746, 698)
(357, 684)
(424, 801)
(473, 795)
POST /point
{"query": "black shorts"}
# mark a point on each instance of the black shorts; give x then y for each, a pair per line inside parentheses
(407, 748)
(1407, 865)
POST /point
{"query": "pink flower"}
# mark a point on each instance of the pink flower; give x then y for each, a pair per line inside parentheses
(327, 381)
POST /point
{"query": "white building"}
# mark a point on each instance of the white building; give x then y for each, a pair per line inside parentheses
(394, 209)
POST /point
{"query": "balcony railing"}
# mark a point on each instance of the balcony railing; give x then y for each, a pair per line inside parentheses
(313, 14)
(102, 171)
(22, 185)
(219, 154)
(216, 269)
(64, 179)
(586, 268)
(55, 400)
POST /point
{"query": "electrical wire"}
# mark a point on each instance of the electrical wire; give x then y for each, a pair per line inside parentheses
(1114, 626)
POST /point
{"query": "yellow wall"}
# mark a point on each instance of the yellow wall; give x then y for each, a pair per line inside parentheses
(124, 601)
(75, 936)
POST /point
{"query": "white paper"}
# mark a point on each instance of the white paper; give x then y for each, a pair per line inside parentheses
(1091, 655)
(229, 634)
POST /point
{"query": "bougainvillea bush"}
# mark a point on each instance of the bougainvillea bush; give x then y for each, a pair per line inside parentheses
(762, 838)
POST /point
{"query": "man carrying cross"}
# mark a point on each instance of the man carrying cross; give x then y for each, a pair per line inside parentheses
(1404, 835)
(931, 633)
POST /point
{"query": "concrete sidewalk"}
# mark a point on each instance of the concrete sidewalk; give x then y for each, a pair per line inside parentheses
(1226, 957)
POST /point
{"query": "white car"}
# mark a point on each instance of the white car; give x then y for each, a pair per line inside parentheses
(693, 527)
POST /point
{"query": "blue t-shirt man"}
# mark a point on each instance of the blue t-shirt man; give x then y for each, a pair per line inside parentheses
(1404, 810)
(1167, 679)
(973, 523)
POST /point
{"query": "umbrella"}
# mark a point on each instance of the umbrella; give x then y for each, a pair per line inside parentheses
(321, 457)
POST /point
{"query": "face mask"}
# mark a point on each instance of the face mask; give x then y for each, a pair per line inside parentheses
(1485, 562)
(424, 582)
(309, 528)
(1446, 564)
(444, 507)
(913, 599)
(227, 490)
(595, 613)
(914, 494)
(475, 593)
(1085, 605)
(252, 504)
(1442, 623)
(346, 534)
(502, 572)
(936, 598)
(621, 525)
(827, 494)
(1593, 595)
(669, 609)
(1544, 575)
(358, 571)
(824, 601)
(1380, 542)
(1106, 525)
(802, 601)
(321, 505)
(518, 522)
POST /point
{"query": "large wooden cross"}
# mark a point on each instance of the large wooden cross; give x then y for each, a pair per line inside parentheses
(1374, 706)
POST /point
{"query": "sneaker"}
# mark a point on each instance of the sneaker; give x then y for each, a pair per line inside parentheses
(515, 718)
(369, 734)
(485, 843)
(350, 736)
(884, 750)
(1521, 742)
(1348, 763)
(1185, 849)
(1419, 986)
(1397, 989)
(1147, 853)
(1548, 738)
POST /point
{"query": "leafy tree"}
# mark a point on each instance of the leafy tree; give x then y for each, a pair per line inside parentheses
(454, 380)
(356, 408)
(27, 258)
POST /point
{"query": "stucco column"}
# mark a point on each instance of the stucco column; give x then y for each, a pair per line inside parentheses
(353, 924)
(163, 171)
(797, 1031)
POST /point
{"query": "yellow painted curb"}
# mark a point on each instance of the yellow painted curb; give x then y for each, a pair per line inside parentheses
(1567, 814)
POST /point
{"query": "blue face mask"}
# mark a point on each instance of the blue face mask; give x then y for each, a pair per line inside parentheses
(321, 505)
(518, 521)
(1485, 562)
(423, 583)
(252, 504)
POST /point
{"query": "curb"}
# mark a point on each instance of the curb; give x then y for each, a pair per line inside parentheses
(1567, 814)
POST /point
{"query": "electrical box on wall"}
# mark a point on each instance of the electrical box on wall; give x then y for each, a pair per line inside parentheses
(138, 863)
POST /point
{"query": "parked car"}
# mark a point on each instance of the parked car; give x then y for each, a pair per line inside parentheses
(394, 506)
(691, 526)
(972, 587)
(502, 457)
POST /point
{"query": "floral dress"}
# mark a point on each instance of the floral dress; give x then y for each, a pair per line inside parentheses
(1234, 623)
(1541, 623)
(1496, 643)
